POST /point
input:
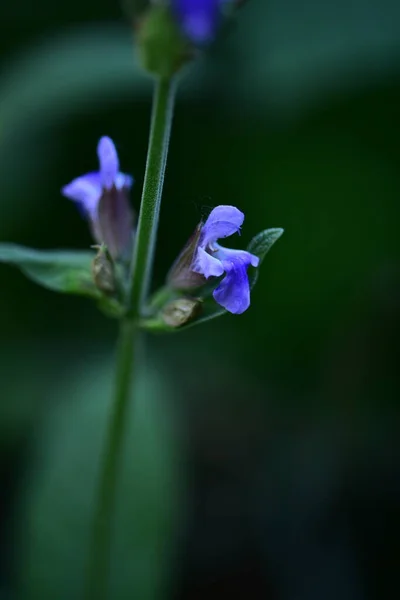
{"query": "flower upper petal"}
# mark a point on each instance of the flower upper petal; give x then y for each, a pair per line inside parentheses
(222, 221)
(109, 163)
(86, 190)
(207, 265)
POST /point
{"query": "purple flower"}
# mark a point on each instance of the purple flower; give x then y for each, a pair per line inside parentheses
(198, 19)
(88, 189)
(212, 260)
(102, 196)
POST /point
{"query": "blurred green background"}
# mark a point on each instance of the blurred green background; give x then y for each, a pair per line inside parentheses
(264, 456)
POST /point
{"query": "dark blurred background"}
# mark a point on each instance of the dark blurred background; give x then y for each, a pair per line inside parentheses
(263, 460)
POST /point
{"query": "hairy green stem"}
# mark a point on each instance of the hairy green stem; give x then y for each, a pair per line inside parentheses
(96, 583)
(98, 567)
(143, 255)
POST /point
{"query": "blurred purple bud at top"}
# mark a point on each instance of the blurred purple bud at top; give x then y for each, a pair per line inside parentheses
(103, 197)
(198, 19)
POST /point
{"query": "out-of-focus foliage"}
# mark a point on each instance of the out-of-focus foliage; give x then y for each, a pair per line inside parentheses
(56, 510)
(60, 271)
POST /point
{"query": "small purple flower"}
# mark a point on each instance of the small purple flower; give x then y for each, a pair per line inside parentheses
(198, 19)
(102, 197)
(212, 260)
(88, 189)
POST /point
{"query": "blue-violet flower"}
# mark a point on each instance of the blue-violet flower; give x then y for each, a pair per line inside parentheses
(198, 19)
(212, 260)
(103, 199)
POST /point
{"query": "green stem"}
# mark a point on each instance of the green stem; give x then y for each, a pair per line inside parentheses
(143, 255)
(99, 553)
(97, 575)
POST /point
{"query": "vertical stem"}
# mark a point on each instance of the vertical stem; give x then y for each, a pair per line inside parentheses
(143, 255)
(97, 576)
(96, 584)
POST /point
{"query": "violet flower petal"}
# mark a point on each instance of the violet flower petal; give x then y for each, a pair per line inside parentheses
(227, 254)
(123, 180)
(233, 293)
(109, 163)
(207, 265)
(222, 222)
(86, 191)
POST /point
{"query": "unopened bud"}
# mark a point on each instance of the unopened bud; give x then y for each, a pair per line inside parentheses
(163, 50)
(181, 276)
(179, 312)
(103, 271)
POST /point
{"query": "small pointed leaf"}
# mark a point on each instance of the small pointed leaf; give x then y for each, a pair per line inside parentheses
(263, 242)
(260, 245)
(58, 270)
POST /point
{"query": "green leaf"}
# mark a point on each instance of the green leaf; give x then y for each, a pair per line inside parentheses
(260, 245)
(58, 270)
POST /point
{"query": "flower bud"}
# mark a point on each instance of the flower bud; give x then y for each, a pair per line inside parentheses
(178, 312)
(103, 271)
(163, 50)
(181, 276)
